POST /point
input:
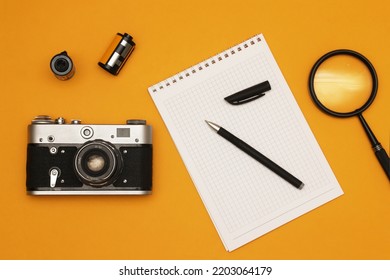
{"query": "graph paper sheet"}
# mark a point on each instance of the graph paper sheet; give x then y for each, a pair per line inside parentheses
(243, 198)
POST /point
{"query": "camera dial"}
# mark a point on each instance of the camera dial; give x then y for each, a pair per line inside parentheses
(42, 119)
(136, 122)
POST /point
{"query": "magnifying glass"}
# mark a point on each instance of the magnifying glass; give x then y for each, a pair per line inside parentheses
(343, 83)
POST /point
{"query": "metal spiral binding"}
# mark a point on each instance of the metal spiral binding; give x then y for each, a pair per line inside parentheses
(205, 64)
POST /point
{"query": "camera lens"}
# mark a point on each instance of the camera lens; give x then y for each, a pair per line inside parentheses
(95, 163)
(98, 163)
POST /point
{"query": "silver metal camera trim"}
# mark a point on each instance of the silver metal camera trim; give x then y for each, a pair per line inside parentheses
(59, 192)
(72, 133)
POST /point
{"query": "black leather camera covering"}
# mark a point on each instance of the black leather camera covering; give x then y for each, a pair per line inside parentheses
(137, 168)
(40, 161)
(136, 173)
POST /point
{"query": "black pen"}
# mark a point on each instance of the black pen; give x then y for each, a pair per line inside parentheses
(256, 155)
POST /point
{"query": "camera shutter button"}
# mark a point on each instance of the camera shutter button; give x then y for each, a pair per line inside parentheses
(60, 120)
(86, 132)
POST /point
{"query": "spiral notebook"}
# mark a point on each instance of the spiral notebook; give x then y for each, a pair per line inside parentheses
(243, 198)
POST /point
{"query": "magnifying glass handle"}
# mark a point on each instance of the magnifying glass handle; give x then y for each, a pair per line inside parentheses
(380, 153)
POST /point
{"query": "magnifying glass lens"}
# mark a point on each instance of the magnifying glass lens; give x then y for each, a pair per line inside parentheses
(343, 83)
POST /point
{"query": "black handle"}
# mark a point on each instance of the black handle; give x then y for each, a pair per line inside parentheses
(380, 153)
(383, 159)
(367, 129)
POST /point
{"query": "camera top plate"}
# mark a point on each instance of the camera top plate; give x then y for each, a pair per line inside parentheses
(44, 130)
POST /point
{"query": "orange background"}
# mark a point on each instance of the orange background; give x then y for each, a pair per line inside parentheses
(172, 223)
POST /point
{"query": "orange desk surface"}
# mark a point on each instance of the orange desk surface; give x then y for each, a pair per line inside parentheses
(172, 223)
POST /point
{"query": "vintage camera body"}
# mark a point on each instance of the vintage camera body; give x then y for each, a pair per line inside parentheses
(78, 159)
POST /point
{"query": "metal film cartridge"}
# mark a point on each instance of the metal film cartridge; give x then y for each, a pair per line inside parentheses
(62, 66)
(117, 53)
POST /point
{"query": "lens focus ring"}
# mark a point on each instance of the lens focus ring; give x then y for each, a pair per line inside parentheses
(98, 163)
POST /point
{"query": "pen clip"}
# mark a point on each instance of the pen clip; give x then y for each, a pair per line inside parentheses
(248, 94)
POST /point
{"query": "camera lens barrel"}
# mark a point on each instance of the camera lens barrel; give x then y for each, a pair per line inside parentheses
(62, 66)
(117, 53)
(98, 163)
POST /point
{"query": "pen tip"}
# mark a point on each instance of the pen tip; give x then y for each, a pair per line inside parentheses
(213, 125)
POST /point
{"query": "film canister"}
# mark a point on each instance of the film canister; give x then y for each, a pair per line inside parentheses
(117, 54)
(62, 66)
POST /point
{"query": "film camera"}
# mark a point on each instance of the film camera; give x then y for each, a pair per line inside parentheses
(78, 159)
